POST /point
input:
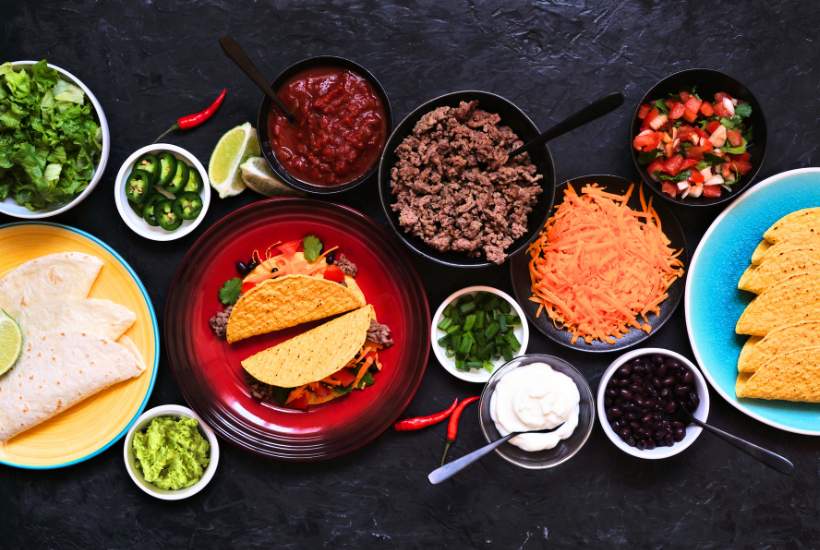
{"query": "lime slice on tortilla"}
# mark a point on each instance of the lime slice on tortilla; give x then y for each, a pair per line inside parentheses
(11, 342)
(236, 145)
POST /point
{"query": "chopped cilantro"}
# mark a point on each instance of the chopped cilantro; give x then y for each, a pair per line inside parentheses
(743, 110)
(312, 247)
(229, 293)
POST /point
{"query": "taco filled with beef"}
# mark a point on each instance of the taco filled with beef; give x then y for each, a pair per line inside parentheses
(321, 364)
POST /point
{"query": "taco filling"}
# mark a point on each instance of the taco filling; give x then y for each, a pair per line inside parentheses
(321, 364)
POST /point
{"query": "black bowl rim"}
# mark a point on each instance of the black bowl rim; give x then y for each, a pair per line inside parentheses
(261, 125)
(685, 257)
(384, 192)
(653, 185)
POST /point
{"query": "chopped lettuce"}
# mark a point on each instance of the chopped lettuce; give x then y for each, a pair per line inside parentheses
(50, 140)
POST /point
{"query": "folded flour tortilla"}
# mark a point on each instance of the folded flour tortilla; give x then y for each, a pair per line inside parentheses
(51, 278)
(56, 371)
(92, 316)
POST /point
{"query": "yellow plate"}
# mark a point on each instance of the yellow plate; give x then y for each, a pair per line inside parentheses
(92, 426)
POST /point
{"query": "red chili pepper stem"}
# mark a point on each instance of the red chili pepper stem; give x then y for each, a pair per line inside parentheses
(419, 422)
(196, 119)
(452, 425)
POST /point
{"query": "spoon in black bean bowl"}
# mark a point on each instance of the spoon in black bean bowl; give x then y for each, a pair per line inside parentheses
(767, 457)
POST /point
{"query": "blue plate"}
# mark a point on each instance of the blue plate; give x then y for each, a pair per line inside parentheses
(713, 303)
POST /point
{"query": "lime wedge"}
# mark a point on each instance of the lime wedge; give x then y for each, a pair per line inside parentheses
(236, 145)
(258, 176)
(11, 342)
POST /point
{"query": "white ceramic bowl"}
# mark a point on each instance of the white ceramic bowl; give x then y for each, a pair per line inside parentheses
(134, 220)
(11, 208)
(692, 431)
(134, 471)
(479, 376)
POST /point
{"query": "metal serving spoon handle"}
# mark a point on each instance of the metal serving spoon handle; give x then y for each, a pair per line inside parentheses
(452, 468)
(767, 457)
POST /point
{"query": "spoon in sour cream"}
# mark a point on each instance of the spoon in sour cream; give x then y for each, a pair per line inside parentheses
(452, 468)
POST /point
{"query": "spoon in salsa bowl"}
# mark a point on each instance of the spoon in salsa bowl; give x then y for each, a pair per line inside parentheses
(236, 54)
(450, 469)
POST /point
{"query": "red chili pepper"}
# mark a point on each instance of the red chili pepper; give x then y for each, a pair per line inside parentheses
(419, 422)
(452, 425)
(195, 119)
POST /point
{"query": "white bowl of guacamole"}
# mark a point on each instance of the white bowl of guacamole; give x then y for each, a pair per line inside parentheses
(170, 453)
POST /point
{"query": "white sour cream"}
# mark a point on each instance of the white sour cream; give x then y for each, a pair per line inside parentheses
(535, 397)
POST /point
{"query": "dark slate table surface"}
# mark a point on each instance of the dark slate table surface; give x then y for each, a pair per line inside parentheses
(149, 62)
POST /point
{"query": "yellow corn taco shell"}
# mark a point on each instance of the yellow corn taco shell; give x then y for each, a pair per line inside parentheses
(288, 301)
(788, 302)
(777, 266)
(766, 250)
(757, 351)
(312, 355)
(804, 223)
(791, 376)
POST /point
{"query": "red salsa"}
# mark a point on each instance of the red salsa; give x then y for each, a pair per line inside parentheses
(340, 130)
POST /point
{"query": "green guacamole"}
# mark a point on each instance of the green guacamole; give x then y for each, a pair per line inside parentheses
(171, 452)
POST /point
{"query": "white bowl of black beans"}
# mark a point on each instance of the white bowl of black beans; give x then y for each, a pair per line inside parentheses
(639, 400)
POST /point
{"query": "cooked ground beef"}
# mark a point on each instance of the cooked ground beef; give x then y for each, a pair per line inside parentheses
(219, 322)
(346, 265)
(380, 334)
(456, 188)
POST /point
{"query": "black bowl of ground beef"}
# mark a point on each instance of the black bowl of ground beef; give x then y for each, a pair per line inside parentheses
(450, 191)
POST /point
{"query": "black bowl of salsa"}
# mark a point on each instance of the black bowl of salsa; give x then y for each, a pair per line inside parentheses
(343, 119)
(742, 168)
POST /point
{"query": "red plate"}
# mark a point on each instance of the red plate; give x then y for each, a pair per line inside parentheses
(208, 370)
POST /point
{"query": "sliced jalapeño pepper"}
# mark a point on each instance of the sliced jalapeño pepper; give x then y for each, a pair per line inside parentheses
(138, 186)
(194, 183)
(149, 210)
(149, 163)
(167, 167)
(179, 179)
(190, 204)
(168, 215)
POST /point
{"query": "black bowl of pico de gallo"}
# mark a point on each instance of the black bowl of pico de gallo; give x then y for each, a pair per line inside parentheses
(698, 137)
(343, 119)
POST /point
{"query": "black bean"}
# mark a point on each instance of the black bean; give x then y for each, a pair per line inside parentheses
(615, 412)
(688, 378)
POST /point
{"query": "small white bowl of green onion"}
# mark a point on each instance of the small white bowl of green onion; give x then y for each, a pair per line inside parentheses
(476, 330)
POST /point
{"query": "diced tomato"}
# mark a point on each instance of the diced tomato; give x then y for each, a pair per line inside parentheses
(688, 163)
(650, 116)
(712, 126)
(726, 171)
(684, 96)
(693, 104)
(712, 191)
(673, 165)
(686, 133)
(670, 188)
(289, 248)
(658, 122)
(734, 137)
(646, 140)
(654, 167)
(643, 111)
(246, 287)
(742, 167)
(333, 273)
(706, 109)
(701, 133)
(720, 108)
(676, 110)
(344, 377)
(697, 177)
(695, 153)
(742, 156)
(689, 115)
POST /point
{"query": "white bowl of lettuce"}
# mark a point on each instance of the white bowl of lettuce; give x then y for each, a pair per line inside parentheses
(54, 140)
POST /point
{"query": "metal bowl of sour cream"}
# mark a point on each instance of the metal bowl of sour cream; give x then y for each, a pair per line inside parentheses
(537, 391)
